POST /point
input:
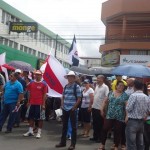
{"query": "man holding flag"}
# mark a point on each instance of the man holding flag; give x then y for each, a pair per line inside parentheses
(73, 58)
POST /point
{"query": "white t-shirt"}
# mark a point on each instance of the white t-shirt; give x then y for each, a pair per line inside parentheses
(86, 98)
(100, 93)
(129, 91)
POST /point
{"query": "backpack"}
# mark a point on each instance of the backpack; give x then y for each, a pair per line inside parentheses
(75, 93)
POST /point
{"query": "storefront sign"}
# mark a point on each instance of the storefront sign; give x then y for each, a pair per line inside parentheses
(28, 27)
(110, 58)
(135, 59)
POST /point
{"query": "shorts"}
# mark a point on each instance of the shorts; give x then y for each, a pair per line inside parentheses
(35, 112)
(85, 115)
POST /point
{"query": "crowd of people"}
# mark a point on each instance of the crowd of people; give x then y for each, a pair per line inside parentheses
(119, 108)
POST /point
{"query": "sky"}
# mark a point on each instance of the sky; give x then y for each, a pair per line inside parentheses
(69, 17)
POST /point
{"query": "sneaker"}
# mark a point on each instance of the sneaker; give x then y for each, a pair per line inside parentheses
(28, 134)
(8, 131)
(38, 136)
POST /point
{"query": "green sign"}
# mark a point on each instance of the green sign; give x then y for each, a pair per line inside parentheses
(28, 27)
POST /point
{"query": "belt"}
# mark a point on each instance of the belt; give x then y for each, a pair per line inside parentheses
(134, 119)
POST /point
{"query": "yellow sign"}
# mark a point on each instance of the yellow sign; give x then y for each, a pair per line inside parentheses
(28, 27)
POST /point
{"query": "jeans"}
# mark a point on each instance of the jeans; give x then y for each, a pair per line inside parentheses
(73, 118)
(7, 111)
(147, 136)
(134, 134)
(69, 131)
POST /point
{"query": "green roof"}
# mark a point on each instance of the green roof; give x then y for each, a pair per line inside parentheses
(13, 54)
(11, 10)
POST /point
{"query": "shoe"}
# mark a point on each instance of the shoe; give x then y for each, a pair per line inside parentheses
(101, 148)
(123, 147)
(35, 130)
(46, 119)
(28, 134)
(16, 126)
(38, 136)
(71, 147)
(52, 118)
(60, 145)
(85, 136)
(93, 139)
(112, 147)
(8, 131)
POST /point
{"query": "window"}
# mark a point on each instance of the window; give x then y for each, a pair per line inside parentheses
(21, 47)
(138, 52)
(25, 49)
(34, 52)
(15, 45)
(1, 40)
(39, 54)
(10, 43)
(13, 19)
(3, 17)
(30, 51)
(31, 35)
(6, 42)
(35, 35)
(17, 20)
(7, 18)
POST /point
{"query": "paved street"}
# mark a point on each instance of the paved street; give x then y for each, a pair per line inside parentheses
(50, 136)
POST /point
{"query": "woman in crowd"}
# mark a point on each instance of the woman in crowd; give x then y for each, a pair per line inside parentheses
(86, 107)
(115, 114)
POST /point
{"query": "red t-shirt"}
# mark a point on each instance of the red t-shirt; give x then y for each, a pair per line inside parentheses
(36, 91)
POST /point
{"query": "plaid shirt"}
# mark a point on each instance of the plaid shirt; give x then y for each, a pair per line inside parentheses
(138, 105)
(69, 97)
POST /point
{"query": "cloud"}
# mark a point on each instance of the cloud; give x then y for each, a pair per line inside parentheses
(68, 17)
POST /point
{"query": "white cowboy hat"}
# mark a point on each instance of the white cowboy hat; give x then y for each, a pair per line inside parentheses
(70, 73)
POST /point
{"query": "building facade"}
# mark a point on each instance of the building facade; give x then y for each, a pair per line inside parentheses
(38, 44)
(91, 61)
(127, 31)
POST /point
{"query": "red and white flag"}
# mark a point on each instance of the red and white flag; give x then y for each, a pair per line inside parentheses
(2, 62)
(54, 76)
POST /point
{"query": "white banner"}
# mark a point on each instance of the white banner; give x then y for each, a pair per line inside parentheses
(135, 59)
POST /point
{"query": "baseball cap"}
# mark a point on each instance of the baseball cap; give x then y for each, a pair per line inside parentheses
(38, 72)
(18, 70)
(86, 81)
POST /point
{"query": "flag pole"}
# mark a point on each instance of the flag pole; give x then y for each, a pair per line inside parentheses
(56, 46)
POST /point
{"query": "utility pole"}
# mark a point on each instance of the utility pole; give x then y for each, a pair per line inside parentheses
(56, 46)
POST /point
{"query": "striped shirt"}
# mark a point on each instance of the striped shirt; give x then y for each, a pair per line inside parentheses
(138, 105)
(69, 96)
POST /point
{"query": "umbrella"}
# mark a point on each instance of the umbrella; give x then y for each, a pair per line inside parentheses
(21, 65)
(132, 70)
(101, 70)
(80, 70)
(8, 67)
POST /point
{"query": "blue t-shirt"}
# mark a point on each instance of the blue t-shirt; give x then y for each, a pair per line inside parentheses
(12, 91)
